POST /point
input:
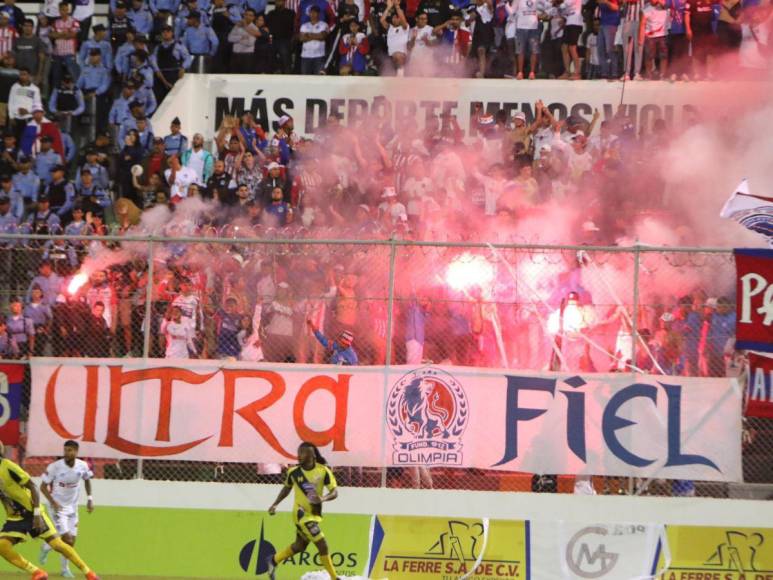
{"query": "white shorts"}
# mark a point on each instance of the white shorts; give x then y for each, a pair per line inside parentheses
(66, 523)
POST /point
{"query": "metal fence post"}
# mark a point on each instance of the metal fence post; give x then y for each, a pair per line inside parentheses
(635, 316)
(632, 482)
(147, 330)
(388, 362)
(148, 304)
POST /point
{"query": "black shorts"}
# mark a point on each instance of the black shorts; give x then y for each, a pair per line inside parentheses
(572, 34)
(23, 529)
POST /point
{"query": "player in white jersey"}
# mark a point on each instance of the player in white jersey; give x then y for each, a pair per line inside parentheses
(61, 487)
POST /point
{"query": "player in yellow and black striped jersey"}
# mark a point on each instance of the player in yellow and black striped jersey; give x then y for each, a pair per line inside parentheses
(26, 518)
(309, 479)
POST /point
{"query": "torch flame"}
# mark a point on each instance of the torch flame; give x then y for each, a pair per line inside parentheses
(468, 270)
(574, 320)
(77, 281)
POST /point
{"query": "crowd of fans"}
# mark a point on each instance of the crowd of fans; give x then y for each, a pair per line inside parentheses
(147, 46)
(368, 181)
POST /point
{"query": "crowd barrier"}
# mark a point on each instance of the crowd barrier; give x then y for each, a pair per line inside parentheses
(523, 309)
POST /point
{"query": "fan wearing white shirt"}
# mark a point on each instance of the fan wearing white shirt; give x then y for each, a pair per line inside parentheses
(527, 34)
(394, 22)
(420, 44)
(571, 11)
(61, 487)
(313, 35)
(178, 334)
(653, 34)
(179, 179)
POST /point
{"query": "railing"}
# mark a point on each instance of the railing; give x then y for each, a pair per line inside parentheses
(530, 307)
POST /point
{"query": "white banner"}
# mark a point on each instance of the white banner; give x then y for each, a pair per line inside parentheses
(564, 550)
(617, 424)
(310, 100)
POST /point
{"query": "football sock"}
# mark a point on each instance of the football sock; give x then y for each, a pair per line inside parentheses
(328, 564)
(14, 558)
(283, 555)
(69, 553)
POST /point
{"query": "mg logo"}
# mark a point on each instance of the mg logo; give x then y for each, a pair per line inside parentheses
(586, 553)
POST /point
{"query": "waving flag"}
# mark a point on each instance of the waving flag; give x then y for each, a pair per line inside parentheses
(754, 212)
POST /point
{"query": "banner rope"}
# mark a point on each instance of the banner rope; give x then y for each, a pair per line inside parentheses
(485, 522)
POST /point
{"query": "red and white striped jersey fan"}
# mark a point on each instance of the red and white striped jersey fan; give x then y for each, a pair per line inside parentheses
(7, 36)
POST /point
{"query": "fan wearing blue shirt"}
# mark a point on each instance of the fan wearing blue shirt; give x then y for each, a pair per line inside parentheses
(140, 17)
(100, 42)
(200, 40)
(170, 60)
(340, 351)
(46, 159)
(180, 21)
(175, 143)
(27, 182)
(278, 213)
(15, 197)
(121, 110)
(721, 330)
(97, 170)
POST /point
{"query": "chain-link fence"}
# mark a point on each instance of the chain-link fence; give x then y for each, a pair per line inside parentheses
(522, 307)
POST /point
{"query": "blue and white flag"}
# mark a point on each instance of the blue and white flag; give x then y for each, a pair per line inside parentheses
(754, 212)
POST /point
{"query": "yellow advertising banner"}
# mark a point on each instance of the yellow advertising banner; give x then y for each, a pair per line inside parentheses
(423, 548)
(718, 553)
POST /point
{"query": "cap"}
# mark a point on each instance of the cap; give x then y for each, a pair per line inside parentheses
(364, 207)
(36, 109)
(389, 192)
(4, 15)
(67, 77)
(94, 51)
(134, 104)
(46, 139)
(166, 27)
(711, 303)
(546, 148)
(284, 119)
(158, 140)
(667, 317)
(194, 14)
(24, 159)
(284, 285)
(346, 335)
(120, 5)
(98, 27)
(521, 116)
(43, 198)
(4, 197)
(141, 38)
(273, 165)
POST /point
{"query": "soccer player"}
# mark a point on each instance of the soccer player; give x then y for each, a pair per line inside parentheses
(27, 519)
(61, 487)
(309, 479)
